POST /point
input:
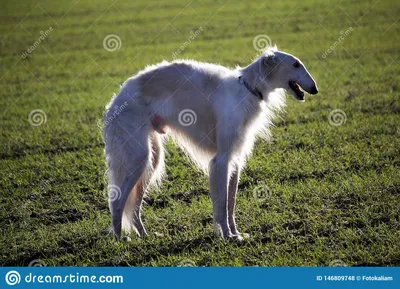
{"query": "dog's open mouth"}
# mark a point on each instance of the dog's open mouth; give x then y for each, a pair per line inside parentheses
(297, 91)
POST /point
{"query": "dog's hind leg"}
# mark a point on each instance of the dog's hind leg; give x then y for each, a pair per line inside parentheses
(127, 164)
(151, 175)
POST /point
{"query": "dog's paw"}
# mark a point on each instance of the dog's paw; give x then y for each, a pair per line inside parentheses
(240, 237)
(126, 239)
(245, 235)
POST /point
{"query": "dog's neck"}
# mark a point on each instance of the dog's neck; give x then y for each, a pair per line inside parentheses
(251, 89)
(254, 82)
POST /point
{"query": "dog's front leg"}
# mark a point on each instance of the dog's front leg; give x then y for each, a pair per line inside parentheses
(232, 190)
(219, 193)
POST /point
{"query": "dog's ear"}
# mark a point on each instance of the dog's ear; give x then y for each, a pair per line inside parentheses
(270, 62)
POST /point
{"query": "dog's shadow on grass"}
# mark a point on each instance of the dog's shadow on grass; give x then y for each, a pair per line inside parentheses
(186, 197)
(145, 250)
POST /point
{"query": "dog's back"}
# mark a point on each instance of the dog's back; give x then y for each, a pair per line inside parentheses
(178, 93)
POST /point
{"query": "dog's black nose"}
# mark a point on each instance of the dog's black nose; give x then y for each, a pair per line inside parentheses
(314, 90)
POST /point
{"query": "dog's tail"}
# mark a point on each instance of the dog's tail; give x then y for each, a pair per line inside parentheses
(151, 178)
(128, 224)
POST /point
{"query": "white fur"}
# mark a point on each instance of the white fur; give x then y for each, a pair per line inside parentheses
(229, 118)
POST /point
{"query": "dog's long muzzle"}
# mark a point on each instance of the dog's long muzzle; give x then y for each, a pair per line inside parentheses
(297, 89)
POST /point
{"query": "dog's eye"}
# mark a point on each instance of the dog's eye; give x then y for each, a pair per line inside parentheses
(296, 64)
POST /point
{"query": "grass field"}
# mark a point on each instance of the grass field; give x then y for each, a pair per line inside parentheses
(334, 187)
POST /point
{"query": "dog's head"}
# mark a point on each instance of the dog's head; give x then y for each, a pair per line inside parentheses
(283, 70)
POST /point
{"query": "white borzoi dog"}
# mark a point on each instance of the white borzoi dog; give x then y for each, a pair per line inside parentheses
(212, 112)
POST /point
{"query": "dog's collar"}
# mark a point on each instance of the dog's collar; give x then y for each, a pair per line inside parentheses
(254, 91)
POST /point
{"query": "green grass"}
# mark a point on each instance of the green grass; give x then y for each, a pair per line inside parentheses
(335, 189)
